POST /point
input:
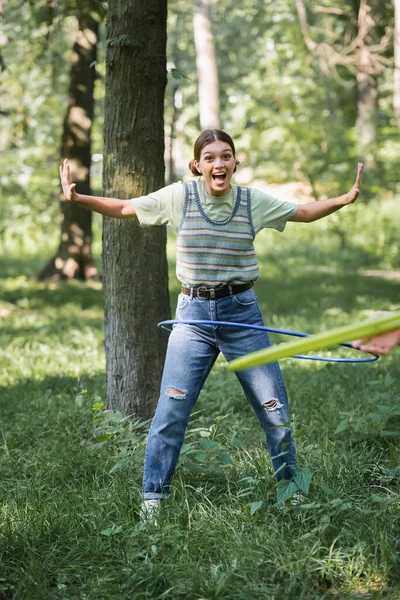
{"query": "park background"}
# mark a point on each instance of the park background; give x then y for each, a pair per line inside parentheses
(306, 90)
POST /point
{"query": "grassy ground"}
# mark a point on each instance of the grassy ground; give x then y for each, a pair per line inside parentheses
(70, 473)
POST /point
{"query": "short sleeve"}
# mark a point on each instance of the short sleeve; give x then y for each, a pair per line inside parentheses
(163, 207)
(269, 212)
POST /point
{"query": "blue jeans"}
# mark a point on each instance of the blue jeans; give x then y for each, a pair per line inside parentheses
(192, 351)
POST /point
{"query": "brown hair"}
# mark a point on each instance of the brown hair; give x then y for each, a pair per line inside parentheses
(208, 137)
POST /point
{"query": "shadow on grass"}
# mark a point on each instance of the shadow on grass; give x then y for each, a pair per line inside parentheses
(27, 265)
(310, 293)
(40, 295)
(25, 396)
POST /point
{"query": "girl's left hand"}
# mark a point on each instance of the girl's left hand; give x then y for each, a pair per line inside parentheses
(352, 195)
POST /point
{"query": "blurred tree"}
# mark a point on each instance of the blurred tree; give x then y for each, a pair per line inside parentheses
(175, 103)
(136, 294)
(292, 110)
(3, 37)
(362, 53)
(73, 258)
(369, 65)
(396, 90)
(207, 73)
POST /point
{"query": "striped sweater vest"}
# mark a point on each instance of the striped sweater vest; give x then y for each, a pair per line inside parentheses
(211, 252)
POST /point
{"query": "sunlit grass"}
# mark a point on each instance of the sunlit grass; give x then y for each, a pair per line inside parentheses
(69, 525)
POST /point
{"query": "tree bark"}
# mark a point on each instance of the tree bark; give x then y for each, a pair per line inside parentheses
(3, 38)
(134, 259)
(206, 66)
(74, 258)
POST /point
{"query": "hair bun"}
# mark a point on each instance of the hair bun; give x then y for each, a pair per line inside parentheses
(193, 168)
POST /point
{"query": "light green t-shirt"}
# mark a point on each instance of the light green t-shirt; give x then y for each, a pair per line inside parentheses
(165, 206)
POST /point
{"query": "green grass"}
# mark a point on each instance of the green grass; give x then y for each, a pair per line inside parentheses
(70, 472)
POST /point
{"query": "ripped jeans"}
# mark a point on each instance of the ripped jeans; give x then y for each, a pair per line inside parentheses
(192, 351)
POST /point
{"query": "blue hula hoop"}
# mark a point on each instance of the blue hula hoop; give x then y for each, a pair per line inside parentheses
(372, 358)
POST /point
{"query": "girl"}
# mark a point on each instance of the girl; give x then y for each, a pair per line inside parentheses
(216, 264)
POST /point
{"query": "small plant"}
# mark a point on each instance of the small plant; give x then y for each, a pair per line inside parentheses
(207, 450)
(120, 435)
(380, 415)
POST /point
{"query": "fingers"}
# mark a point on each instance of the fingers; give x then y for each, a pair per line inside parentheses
(359, 343)
(65, 176)
(376, 349)
(360, 169)
(366, 345)
(380, 344)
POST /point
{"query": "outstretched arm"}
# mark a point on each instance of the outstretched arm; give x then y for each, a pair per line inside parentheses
(110, 207)
(312, 211)
(379, 344)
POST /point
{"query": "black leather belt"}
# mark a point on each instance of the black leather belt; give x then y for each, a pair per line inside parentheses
(205, 293)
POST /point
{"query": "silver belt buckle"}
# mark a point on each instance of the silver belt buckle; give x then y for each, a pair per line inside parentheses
(203, 288)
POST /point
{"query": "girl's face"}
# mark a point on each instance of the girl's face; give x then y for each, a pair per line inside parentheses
(217, 164)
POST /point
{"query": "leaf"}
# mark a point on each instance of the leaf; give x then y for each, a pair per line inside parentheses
(342, 427)
(195, 468)
(255, 506)
(383, 408)
(104, 438)
(278, 456)
(116, 467)
(327, 490)
(285, 490)
(225, 458)
(113, 530)
(381, 500)
(177, 74)
(303, 478)
(208, 444)
(199, 455)
(388, 379)
(204, 433)
(237, 443)
(79, 401)
(336, 502)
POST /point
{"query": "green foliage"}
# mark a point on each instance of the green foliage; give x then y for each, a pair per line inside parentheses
(379, 416)
(124, 437)
(33, 97)
(30, 92)
(292, 119)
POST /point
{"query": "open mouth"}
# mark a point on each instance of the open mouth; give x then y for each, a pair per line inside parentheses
(219, 177)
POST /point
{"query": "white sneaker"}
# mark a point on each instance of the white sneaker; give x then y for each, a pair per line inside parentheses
(297, 499)
(149, 510)
(294, 501)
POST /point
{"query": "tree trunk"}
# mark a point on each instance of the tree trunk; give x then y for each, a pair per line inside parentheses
(367, 89)
(74, 255)
(396, 92)
(3, 39)
(134, 259)
(206, 66)
(172, 176)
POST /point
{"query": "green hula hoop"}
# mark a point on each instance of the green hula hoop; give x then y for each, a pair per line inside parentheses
(317, 342)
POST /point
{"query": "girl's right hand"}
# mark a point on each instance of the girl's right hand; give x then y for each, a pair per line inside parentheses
(67, 186)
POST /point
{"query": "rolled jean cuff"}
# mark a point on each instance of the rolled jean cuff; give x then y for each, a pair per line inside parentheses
(155, 496)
